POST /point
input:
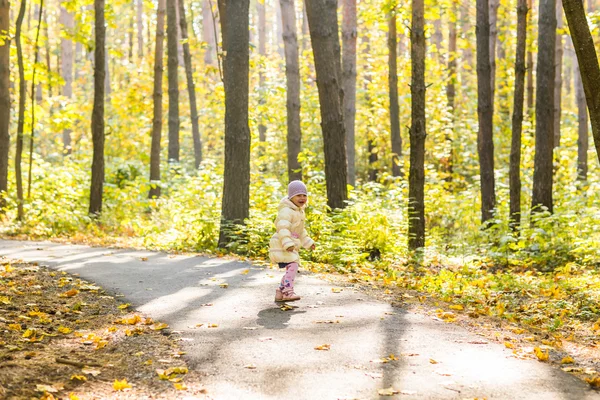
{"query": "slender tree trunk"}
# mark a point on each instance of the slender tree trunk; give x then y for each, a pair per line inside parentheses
(588, 63)
(189, 73)
(323, 25)
(66, 68)
(98, 111)
(530, 91)
(208, 32)
(292, 73)
(172, 65)
(236, 66)
(467, 52)
(544, 108)
(262, 51)
(493, 4)
(558, 70)
(21, 121)
(583, 130)
(371, 136)
(4, 101)
(437, 36)
(418, 132)
(157, 96)
(485, 141)
(396, 138)
(349, 35)
(140, 27)
(40, 9)
(278, 29)
(517, 117)
(452, 56)
(48, 58)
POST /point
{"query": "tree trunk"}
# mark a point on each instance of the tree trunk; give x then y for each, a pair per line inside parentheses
(530, 92)
(452, 56)
(349, 34)
(21, 121)
(582, 132)
(493, 4)
(544, 108)
(262, 51)
(98, 111)
(587, 61)
(418, 133)
(517, 117)
(305, 33)
(558, 63)
(66, 68)
(38, 15)
(208, 32)
(4, 101)
(173, 63)
(292, 74)
(157, 96)
(236, 68)
(140, 27)
(48, 58)
(189, 73)
(278, 30)
(485, 140)
(396, 138)
(323, 26)
(372, 150)
(38, 12)
(467, 52)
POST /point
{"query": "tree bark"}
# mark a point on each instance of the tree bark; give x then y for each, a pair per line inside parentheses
(140, 27)
(588, 63)
(38, 15)
(558, 70)
(98, 111)
(349, 35)
(157, 97)
(189, 73)
(530, 91)
(48, 58)
(517, 117)
(396, 138)
(208, 32)
(66, 68)
(21, 120)
(485, 140)
(452, 56)
(262, 51)
(418, 133)
(493, 4)
(4, 101)
(323, 26)
(236, 65)
(292, 74)
(372, 150)
(173, 63)
(544, 108)
(583, 130)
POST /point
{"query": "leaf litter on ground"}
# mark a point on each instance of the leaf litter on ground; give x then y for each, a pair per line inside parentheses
(64, 337)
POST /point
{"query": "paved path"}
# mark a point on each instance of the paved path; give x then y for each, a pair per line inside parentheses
(253, 330)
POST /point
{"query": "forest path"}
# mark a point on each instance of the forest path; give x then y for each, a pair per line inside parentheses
(252, 330)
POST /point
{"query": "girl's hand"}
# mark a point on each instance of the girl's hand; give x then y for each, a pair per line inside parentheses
(313, 247)
(290, 249)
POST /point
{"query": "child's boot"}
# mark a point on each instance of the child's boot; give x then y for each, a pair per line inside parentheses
(278, 295)
(290, 296)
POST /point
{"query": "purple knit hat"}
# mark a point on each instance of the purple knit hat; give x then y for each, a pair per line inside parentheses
(295, 188)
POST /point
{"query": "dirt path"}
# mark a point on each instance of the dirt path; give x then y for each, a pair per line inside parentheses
(246, 347)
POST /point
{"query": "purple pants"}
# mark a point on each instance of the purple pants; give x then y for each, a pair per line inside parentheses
(287, 282)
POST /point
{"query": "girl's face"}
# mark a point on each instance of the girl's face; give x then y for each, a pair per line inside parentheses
(299, 200)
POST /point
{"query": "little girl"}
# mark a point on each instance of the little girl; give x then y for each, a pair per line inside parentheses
(290, 235)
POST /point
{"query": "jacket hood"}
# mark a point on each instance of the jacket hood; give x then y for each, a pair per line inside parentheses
(285, 202)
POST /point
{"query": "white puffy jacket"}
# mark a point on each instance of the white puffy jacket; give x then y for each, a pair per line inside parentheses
(290, 232)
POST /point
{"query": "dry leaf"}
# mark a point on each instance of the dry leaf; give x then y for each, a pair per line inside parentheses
(250, 366)
(159, 326)
(143, 258)
(567, 360)
(245, 272)
(323, 347)
(594, 382)
(64, 330)
(180, 386)
(90, 371)
(540, 354)
(81, 378)
(69, 293)
(224, 285)
(121, 385)
(213, 325)
(337, 290)
(124, 306)
(509, 345)
(432, 361)
(457, 307)
(388, 392)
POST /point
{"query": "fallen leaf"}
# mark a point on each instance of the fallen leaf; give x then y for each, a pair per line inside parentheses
(180, 386)
(432, 361)
(572, 369)
(509, 345)
(81, 378)
(159, 326)
(121, 385)
(90, 371)
(143, 258)
(250, 366)
(567, 360)
(323, 347)
(213, 325)
(224, 285)
(123, 306)
(286, 307)
(64, 330)
(337, 290)
(388, 392)
(69, 293)
(594, 382)
(540, 354)
(245, 272)
(457, 307)
(50, 388)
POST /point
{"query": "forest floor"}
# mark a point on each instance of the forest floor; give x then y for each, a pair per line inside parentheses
(65, 337)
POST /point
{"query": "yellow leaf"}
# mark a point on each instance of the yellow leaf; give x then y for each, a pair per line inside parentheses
(78, 378)
(148, 362)
(594, 382)
(388, 392)
(121, 385)
(432, 361)
(457, 307)
(159, 326)
(64, 330)
(509, 345)
(323, 347)
(250, 366)
(14, 327)
(567, 360)
(72, 396)
(101, 343)
(529, 338)
(336, 290)
(29, 333)
(143, 258)
(213, 325)
(124, 306)
(69, 293)
(245, 272)
(518, 331)
(224, 285)
(176, 370)
(112, 329)
(541, 355)
(180, 386)
(4, 300)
